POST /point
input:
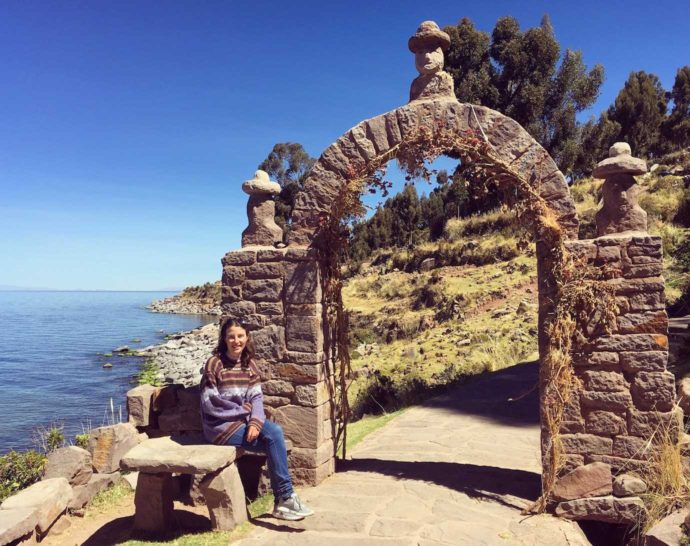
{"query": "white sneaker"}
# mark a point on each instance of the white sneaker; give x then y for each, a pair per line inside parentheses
(291, 509)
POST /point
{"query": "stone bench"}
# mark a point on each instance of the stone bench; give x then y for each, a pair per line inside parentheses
(158, 459)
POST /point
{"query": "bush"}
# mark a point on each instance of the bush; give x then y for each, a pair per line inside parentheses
(20, 470)
(49, 438)
(82, 440)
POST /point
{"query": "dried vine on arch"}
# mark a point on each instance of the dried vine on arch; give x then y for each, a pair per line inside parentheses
(580, 294)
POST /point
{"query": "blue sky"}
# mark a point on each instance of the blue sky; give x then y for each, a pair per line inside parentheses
(128, 127)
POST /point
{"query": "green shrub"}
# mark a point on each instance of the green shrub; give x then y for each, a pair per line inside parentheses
(82, 440)
(49, 438)
(20, 470)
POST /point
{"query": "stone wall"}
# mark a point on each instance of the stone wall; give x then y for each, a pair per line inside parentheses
(626, 396)
(278, 293)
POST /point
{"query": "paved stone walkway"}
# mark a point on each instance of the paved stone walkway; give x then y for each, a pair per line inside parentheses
(457, 470)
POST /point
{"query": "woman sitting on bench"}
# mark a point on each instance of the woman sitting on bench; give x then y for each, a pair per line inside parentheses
(232, 413)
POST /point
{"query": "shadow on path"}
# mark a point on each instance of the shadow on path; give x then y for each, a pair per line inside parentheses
(509, 396)
(475, 481)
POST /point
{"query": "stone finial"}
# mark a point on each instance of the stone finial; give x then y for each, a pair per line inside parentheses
(620, 211)
(620, 161)
(261, 209)
(428, 45)
(260, 184)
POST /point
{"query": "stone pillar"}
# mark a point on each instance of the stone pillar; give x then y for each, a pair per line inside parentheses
(278, 293)
(626, 400)
(261, 211)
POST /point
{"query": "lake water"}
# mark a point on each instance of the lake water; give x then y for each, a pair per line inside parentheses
(50, 366)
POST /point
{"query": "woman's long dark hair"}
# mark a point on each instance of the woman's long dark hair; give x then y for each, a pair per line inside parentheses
(222, 347)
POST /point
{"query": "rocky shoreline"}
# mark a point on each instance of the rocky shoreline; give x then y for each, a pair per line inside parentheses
(180, 359)
(178, 304)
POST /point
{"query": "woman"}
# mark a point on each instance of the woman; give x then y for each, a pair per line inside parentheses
(232, 413)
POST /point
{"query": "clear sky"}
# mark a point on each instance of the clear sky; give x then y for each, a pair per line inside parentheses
(128, 127)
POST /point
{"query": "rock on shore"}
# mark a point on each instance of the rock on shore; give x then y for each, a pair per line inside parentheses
(181, 358)
(203, 300)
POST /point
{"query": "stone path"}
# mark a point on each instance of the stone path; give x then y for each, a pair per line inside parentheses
(457, 470)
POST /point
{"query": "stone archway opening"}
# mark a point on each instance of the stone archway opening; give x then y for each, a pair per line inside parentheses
(604, 388)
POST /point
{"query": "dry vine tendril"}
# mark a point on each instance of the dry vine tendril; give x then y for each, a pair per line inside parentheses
(579, 295)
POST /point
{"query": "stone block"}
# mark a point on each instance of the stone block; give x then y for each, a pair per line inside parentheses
(375, 129)
(239, 257)
(231, 294)
(626, 485)
(181, 454)
(313, 476)
(648, 361)
(165, 397)
(72, 463)
(653, 251)
(303, 283)
(189, 397)
(233, 275)
(224, 497)
(140, 405)
(366, 148)
(655, 424)
(609, 509)
(630, 342)
(108, 445)
(609, 401)
(49, 499)
(634, 271)
(607, 254)
(639, 323)
(572, 427)
(586, 443)
(644, 302)
(605, 423)
(153, 501)
(619, 465)
(298, 357)
(269, 343)
(623, 287)
(82, 494)
(597, 358)
(606, 381)
(17, 523)
(669, 531)
(239, 309)
(269, 308)
(277, 387)
(312, 395)
(302, 254)
(644, 260)
(264, 270)
(304, 309)
(180, 419)
(630, 447)
(276, 401)
(572, 410)
(654, 391)
(304, 334)
(584, 250)
(298, 373)
(301, 425)
(262, 289)
(592, 480)
(270, 254)
(300, 457)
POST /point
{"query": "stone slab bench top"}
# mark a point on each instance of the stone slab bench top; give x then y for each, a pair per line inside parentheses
(177, 454)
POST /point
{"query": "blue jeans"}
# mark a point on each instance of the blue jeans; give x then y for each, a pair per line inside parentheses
(271, 442)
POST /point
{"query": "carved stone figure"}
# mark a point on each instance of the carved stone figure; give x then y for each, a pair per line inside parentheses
(428, 45)
(261, 210)
(620, 211)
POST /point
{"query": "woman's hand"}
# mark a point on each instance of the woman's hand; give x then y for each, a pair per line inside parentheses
(252, 433)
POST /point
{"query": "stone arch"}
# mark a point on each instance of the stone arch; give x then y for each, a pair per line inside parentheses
(380, 135)
(624, 394)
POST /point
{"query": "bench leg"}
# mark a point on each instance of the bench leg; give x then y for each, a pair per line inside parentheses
(224, 496)
(153, 502)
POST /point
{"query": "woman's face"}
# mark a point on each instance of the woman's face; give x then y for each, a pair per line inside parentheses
(236, 338)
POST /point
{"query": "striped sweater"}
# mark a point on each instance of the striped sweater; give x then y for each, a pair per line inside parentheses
(230, 397)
